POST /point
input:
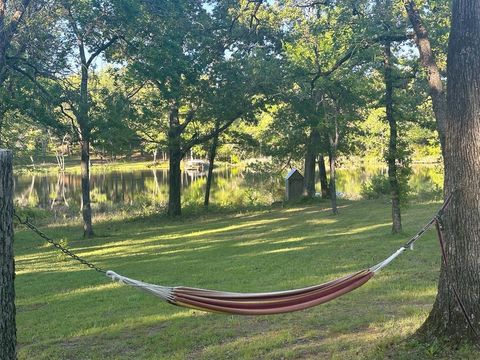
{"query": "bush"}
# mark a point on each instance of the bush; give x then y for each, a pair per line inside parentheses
(378, 186)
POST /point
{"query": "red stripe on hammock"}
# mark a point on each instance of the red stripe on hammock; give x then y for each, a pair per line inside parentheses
(275, 304)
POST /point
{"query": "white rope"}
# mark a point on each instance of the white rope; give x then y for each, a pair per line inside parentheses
(163, 292)
(387, 261)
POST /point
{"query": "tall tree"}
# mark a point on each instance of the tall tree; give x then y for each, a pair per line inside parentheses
(89, 27)
(462, 171)
(85, 30)
(200, 72)
(312, 58)
(392, 143)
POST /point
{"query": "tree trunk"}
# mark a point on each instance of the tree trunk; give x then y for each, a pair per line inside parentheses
(85, 173)
(7, 263)
(310, 158)
(333, 186)
(175, 157)
(1, 126)
(211, 160)
(427, 59)
(392, 144)
(322, 171)
(462, 174)
(333, 138)
(3, 46)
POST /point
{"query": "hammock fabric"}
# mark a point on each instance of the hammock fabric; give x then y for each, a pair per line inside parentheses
(252, 303)
(270, 302)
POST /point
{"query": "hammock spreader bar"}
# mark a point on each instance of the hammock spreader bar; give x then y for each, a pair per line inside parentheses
(269, 302)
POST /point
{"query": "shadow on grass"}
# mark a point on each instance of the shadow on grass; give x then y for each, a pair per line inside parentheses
(65, 312)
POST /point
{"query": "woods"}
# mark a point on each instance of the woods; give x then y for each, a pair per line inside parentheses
(257, 88)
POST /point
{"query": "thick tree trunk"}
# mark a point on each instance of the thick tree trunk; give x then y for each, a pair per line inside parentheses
(310, 158)
(211, 161)
(322, 171)
(175, 157)
(392, 144)
(462, 174)
(7, 264)
(174, 186)
(85, 173)
(439, 100)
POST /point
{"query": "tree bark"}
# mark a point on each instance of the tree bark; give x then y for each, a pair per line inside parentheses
(333, 186)
(462, 174)
(7, 263)
(175, 155)
(333, 138)
(211, 160)
(3, 42)
(85, 174)
(310, 158)
(3, 62)
(2, 112)
(392, 144)
(84, 124)
(427, 59)
(322, 171)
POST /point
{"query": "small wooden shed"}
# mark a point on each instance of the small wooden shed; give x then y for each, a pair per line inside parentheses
(293, 185)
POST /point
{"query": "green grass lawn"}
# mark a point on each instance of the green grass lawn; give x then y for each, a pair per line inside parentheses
(65, 311)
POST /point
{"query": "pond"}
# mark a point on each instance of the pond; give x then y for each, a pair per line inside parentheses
(232, 186)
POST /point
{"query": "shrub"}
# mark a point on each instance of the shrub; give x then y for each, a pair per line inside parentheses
(378, 186)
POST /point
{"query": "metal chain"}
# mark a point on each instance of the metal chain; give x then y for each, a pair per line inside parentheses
(55, 244)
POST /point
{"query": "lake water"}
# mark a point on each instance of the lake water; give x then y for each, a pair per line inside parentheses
(232, 186)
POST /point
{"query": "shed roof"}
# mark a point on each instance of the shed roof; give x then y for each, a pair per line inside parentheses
(293, 171)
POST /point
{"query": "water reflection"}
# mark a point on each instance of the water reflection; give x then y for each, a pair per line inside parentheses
(232, 186)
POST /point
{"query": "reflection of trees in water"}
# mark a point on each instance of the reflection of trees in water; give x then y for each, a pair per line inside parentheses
(28, 196)
(231, 185)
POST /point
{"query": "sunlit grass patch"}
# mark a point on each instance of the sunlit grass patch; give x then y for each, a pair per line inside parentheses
(69, 312)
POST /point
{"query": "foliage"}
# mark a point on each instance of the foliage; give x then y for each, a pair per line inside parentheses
(376, 187)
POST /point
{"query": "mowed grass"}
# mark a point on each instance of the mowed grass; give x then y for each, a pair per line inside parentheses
(66, 311)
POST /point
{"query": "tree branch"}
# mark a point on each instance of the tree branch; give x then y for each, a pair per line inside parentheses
(201, 139)
(188, 119)
(102, 48)
(53, 100)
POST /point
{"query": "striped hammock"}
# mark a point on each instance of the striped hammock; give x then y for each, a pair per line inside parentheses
(269, 302)
(257, 303)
